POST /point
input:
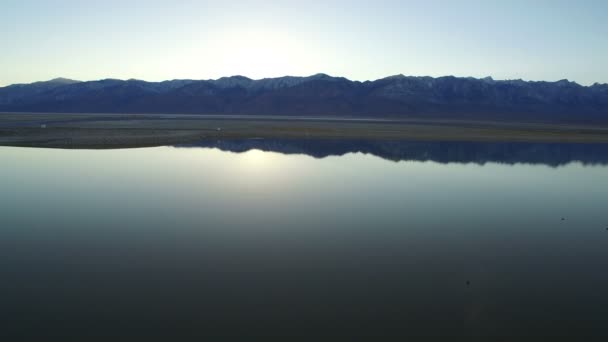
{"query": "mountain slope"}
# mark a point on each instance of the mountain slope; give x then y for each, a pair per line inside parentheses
(395, 96)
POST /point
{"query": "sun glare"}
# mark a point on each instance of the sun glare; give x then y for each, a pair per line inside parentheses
(253, 53)
(256, 160)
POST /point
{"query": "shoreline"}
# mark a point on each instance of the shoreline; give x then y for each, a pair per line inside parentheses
(100, 131)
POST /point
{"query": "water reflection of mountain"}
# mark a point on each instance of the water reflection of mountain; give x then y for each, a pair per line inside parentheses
(552, 154)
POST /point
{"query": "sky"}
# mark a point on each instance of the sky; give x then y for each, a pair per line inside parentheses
(361, 40)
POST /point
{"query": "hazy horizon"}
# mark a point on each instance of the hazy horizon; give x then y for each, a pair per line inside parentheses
(304, 76)
(155, 41)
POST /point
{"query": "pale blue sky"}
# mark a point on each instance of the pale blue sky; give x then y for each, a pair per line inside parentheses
(157, 40)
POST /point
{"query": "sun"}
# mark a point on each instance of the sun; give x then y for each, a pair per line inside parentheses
(255, 53)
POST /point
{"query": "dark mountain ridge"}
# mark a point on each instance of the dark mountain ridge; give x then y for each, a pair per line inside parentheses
(320, 94)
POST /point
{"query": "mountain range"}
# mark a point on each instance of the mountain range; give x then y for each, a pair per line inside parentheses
(320, 95)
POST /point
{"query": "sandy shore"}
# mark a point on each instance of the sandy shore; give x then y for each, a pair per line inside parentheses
(121, 131)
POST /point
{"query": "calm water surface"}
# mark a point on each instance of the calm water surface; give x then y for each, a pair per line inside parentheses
(171, 241)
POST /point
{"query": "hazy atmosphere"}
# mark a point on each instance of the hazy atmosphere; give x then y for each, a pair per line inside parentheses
(361, 40)
(308, 170)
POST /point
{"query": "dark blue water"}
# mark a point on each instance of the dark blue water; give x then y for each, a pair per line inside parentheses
(171, 242)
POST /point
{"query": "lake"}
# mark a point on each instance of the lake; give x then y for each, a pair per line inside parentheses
(305, 238)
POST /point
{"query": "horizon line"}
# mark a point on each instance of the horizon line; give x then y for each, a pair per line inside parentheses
(320, 74)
